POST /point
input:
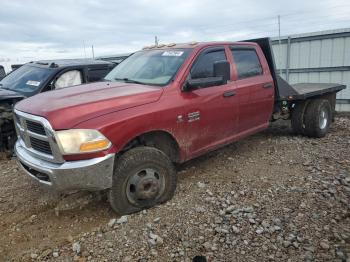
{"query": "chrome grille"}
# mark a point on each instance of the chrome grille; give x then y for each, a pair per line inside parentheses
(37, 136)
(40, 145)
(35, 127)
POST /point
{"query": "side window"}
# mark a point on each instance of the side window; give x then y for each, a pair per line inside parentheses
(97, 74)
(70, 78)
(247, 62)
(204, 66)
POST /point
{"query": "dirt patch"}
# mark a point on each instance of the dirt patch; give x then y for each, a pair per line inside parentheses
(270, 197)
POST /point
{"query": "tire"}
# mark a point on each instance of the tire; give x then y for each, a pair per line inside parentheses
(8, 137)
(143, 177)
(297, 119)
(318, 117)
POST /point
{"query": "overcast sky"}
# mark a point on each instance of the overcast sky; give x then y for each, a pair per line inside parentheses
(31, 30)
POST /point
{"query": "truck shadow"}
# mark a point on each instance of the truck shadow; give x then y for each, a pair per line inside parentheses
(242, 147)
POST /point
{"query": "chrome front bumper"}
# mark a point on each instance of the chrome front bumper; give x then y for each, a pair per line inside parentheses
(92, 174)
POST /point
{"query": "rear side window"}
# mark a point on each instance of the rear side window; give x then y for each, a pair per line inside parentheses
(204, 66)
(97, 74)
(247, 62)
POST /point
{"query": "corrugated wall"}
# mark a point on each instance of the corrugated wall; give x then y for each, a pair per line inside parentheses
(316, 57)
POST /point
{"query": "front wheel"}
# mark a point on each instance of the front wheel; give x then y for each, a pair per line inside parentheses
(143, 177)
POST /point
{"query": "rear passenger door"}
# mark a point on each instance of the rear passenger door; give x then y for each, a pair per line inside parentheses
(255, 89)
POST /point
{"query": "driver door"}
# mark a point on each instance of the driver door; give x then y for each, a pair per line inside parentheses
(211, 111)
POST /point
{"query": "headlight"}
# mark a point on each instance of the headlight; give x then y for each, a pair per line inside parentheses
(77, 141)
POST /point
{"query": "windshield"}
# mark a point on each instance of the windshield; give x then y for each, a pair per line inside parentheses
(152, 67)
(26, 80)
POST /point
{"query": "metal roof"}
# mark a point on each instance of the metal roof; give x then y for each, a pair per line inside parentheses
(316, 57)
(333, 33)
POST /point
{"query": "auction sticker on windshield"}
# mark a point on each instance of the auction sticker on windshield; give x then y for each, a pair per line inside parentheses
(33, 83)
(172, 53)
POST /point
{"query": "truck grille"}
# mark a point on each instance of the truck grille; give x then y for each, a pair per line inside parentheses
(40, 145)
(35, 127)
(36, 135)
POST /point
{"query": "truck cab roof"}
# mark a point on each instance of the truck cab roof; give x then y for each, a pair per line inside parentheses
(198, 45)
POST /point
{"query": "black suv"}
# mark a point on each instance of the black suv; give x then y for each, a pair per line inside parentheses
(41, 76)
(2, 72)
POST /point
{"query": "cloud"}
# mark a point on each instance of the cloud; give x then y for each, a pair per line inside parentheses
(59, 29)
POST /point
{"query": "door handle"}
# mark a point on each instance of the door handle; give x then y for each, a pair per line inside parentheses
(268, 85)
(229, 93)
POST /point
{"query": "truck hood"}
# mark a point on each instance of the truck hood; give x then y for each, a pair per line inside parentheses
(6, 94)
(68, 107)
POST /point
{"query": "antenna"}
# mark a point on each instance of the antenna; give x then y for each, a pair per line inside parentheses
(93, 52)
(279, 44)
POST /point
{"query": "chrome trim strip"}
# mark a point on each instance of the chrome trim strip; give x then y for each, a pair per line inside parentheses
(38, 136)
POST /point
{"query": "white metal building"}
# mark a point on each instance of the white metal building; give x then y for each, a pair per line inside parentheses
(316, 57)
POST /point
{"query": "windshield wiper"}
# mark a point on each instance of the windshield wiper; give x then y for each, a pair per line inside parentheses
(127, 80)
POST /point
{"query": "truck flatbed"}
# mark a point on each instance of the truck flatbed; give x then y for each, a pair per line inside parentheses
(291, 92)
(306, 90)
(302, 91)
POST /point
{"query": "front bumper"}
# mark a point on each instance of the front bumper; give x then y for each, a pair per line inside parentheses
(92, 174)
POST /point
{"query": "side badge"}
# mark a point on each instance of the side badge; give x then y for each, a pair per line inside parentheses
(194, 116)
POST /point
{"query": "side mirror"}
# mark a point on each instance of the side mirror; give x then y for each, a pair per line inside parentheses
(196, 83)
(222, 68)
(221, 76)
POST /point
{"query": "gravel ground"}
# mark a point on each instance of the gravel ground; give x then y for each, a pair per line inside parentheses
(270, 197)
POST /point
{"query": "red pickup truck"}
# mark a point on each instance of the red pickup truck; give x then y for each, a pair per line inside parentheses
(161, 106)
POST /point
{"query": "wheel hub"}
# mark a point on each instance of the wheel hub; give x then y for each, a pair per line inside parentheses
(323, 119)
(145, 186)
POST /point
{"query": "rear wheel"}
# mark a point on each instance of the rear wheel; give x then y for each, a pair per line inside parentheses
(143, 177)
(297, 119)
(318, 117)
